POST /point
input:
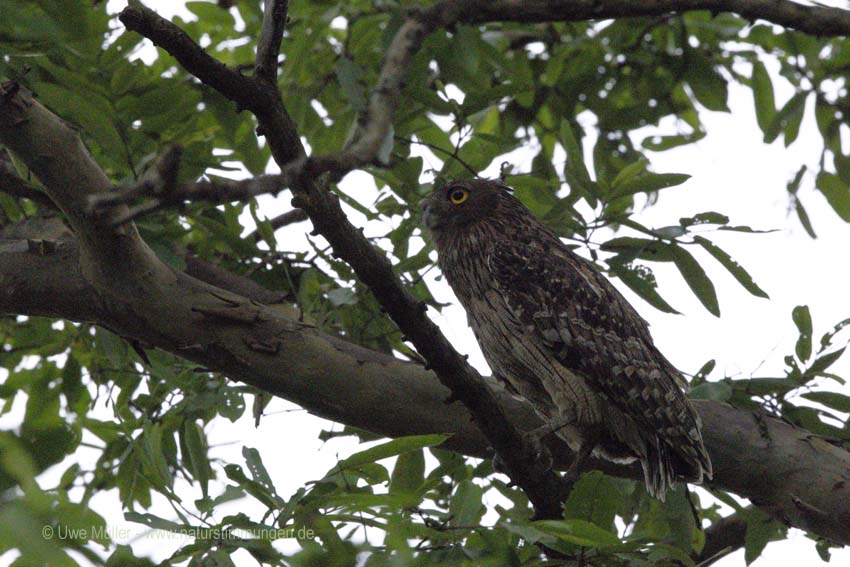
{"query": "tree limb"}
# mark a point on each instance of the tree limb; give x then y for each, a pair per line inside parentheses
(774, 464)
(723, 537)
(156, 195)
(815, 19)
(282, 220)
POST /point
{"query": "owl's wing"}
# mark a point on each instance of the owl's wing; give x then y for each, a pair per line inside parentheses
(592, 330)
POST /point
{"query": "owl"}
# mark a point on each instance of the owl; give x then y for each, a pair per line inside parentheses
(556, 332)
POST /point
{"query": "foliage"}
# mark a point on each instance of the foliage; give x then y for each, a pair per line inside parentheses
(473, 95)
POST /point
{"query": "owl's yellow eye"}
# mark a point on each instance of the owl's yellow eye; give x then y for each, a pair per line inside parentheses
(458, 196)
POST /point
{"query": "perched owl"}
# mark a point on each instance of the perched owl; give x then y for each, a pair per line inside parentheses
(558, 334)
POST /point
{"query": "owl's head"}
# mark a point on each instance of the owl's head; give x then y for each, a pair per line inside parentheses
(462, 204)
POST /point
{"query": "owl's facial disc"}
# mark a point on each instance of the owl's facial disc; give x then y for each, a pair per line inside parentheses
(459, 206)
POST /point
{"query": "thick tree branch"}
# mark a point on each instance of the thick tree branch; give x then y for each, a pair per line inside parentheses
(45, 280)
(782, 469)
(214, 274)
(813, 19)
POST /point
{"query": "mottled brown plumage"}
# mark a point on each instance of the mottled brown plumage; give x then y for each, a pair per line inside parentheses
(557, 333)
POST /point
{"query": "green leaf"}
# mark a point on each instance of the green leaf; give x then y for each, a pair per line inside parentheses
(822, 547)
(578, 532)
(350, 77)
(718, 391)
(22, 530)
(91, 113)
(832, 400)
(342, 296)
(409, 472)
(804, 218)
(257, 469)
(705, 370)
(766, 386)
(788, 119)
(708, 85)
(641, 280)
(803, 319)
(761, 530)
(154, 522)
(153, 457)
(836, 192)
(794, 185)
(824, 361)
(264, 226)
(123, 556)
(391, 449)
(709, 217)
(254, 488)
(644, 248)
(793, 119)
(696, 279)
(646, 183)
(595, 499)
(466, 508)
(209, 13)
(575, 170)
(732, 266)
(196, 444)
(662, 143)
(763, 96)
(634, 169)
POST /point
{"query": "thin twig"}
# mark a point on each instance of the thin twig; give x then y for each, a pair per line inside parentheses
(452, 154)
(723, 537)
(13, 184)
(268, 44)
(282, 220)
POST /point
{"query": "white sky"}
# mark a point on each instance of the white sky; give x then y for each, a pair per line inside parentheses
(734, 173)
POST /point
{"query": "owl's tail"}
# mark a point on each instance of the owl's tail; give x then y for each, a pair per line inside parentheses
(664, 464)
